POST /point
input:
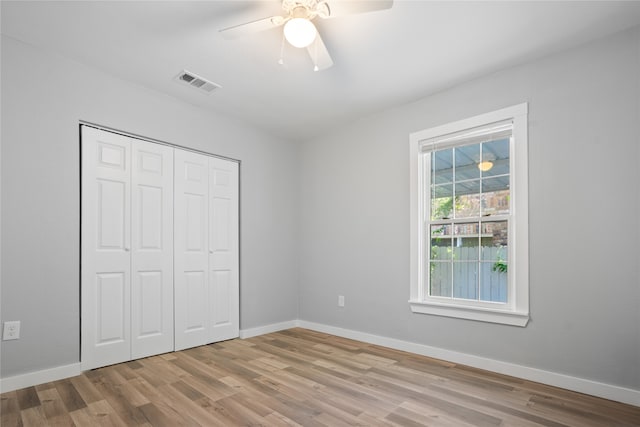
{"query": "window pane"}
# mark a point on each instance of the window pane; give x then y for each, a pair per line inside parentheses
(440, 279)
(441, 242)
(495, 240)
(467, 199)
(493, 283)
(442, 166)
(466, 242)
(465, 280)
(440, 264)
(495, 184)
(495, 196)
(442, 201)
(494, 266)
(496, 152)
(467, 162)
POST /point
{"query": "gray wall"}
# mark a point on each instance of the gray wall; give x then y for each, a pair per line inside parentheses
(584, 132)
(43, 98)
(330, 216)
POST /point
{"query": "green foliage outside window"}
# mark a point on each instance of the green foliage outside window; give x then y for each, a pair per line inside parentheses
(500, 265)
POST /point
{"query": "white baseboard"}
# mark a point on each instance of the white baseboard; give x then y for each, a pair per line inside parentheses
(267, 329)
(62, 372)
(581, 385)
(39, 377)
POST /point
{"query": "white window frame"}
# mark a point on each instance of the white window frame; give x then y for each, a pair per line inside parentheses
(516, 310)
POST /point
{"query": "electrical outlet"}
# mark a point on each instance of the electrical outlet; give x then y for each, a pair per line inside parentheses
(11, 330)
(340, 300)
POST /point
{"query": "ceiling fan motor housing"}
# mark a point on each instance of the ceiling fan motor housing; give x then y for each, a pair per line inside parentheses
(307, 9)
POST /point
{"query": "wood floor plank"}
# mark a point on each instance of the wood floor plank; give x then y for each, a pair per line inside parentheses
(583, 408)
(498, 408)
(277, 419)
(10, 410)
(33, 416)
(181, 404)
(210, 387)
(255, 402)
(116, 400)
(301, 412)
(403, 420)
(346, 390)
(245, 415)
(221, 413)
(27, 398)
(428, 415)
(158, 371)
(98, 413)
(262, 365)
(69, 394)
(334, 413)
(370, 420)
(328, 419)
(82, 417)
(158, 418)
(303, 378)
(53, 407)
(188, 363)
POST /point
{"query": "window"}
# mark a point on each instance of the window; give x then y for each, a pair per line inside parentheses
(469, 225)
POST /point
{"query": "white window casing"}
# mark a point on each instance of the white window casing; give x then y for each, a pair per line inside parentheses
(515, 311)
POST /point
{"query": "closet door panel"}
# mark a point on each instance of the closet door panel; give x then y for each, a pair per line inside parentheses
(105, 249)
(110, 308)
(195, 290)
(224, 290)
(152, 249)
(111, 213)
(191, 228)
(150, 319)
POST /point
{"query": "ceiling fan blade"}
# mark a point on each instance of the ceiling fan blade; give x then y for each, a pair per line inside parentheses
(251, 27)
(339, 8)
(319, 54)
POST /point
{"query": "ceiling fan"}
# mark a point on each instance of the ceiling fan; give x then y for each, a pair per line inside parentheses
(298, 29)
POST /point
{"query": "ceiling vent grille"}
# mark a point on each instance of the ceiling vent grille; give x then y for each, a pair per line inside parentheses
(197, 82)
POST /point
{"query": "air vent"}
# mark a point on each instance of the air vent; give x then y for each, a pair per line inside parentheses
(197, 82)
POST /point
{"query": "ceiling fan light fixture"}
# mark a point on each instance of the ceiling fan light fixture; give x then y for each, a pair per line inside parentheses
(300, 32)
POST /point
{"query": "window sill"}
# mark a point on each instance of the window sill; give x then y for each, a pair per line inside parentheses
(513, 318)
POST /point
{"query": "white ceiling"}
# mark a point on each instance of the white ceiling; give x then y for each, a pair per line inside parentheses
(382, 58)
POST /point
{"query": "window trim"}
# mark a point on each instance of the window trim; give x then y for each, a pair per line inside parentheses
(516, 311)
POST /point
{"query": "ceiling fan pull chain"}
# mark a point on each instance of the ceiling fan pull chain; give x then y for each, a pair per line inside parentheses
(281, 60)
(315, 56)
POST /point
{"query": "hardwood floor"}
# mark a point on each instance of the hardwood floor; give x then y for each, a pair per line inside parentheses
(300, 377)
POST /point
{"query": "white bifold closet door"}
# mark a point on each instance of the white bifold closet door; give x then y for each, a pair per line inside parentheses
(206, 250)
(127, 248)
(151, 249)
